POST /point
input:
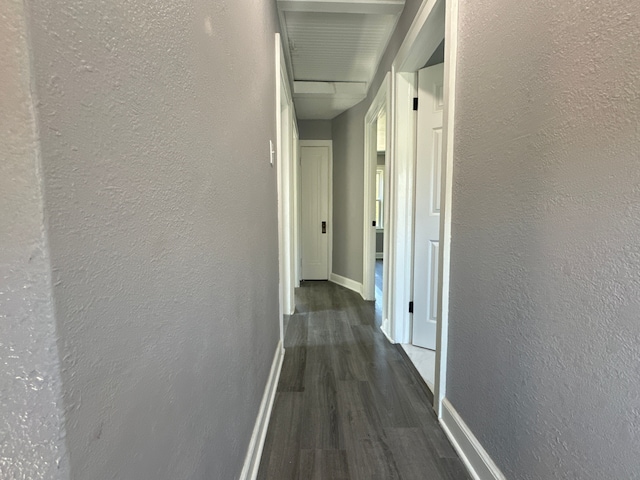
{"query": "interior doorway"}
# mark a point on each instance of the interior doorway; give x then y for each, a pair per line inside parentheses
(381, 145)
(377, 222)
(285, 154)
(427, 207)
(425, 151)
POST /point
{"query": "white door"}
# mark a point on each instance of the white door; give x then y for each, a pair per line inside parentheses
(314, 200)
(427, 208)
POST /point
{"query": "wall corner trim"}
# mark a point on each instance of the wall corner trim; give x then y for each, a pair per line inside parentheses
(346, 283)
(475, 457)
(254, 452)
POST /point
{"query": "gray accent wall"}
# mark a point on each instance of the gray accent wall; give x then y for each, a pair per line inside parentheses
(437, 57)
(348, 192)
(314, 129)
(31, 433)
(162, 227)
(379, 242)
(544, 339)
(348, 163)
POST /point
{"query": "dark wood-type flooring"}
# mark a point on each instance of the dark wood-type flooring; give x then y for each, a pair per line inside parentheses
(349, 405)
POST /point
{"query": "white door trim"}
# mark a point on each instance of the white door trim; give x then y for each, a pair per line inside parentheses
(285, 187)
(285, 171)
(281, 251)
(380, 102)
(424, 35)
(402, 145)
(326, 143)
(295, 164)
(442, 334)
(434, 22)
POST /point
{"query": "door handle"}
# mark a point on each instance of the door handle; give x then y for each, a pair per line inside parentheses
(324, 227)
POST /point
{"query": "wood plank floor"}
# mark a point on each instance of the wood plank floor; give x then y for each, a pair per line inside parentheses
(349, 405)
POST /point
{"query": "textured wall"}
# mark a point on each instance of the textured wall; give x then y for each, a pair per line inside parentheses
(155, 120)
(314, 129)
(31, 434)
(544, 335)
(379, 242)
(348, 191)
(348, 162)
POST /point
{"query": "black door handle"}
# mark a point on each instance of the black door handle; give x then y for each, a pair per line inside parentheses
(324, 227)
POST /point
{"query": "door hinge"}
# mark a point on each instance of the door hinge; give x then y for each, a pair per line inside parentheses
(415, 103)
(373, 224)
(410, 307)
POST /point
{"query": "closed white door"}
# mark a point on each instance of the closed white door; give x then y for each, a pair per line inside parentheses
(427, 207)
(314, 200)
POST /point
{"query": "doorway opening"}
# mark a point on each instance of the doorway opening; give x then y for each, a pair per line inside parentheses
(285, 153)
(424, 76)
(381, 145)
(427, 205)
(377, 223)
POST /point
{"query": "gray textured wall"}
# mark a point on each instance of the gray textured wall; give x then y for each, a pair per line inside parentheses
(32, 439)
(348, 162)
(544, 353)
(348, 190)
(162, 227)
(379, 242)
(314, 129)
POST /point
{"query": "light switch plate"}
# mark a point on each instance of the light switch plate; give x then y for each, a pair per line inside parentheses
(271, 152)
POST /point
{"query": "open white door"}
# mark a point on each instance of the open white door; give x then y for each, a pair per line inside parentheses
(427, 208)
(314, 202)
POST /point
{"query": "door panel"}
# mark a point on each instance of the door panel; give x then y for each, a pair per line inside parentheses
(427, 208)
(314, 192)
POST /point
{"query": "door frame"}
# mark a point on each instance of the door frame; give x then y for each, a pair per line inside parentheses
(285, 171)
(380, 102)
(295, 161)
(434, 22)
(323, 143)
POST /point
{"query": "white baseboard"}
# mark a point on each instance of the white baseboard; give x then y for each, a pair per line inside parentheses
(474, 456)
(384, 328)
(254, 452)
(346, 283)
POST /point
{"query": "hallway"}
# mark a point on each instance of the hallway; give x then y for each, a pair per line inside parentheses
(349, 405)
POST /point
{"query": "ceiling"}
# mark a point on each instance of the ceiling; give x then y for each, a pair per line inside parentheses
(332, 49)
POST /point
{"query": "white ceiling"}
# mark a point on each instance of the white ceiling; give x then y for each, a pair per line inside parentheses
(333, 48)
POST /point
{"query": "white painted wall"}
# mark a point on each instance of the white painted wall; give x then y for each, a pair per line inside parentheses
(155, 121)
(544, 339)
(32, 444)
